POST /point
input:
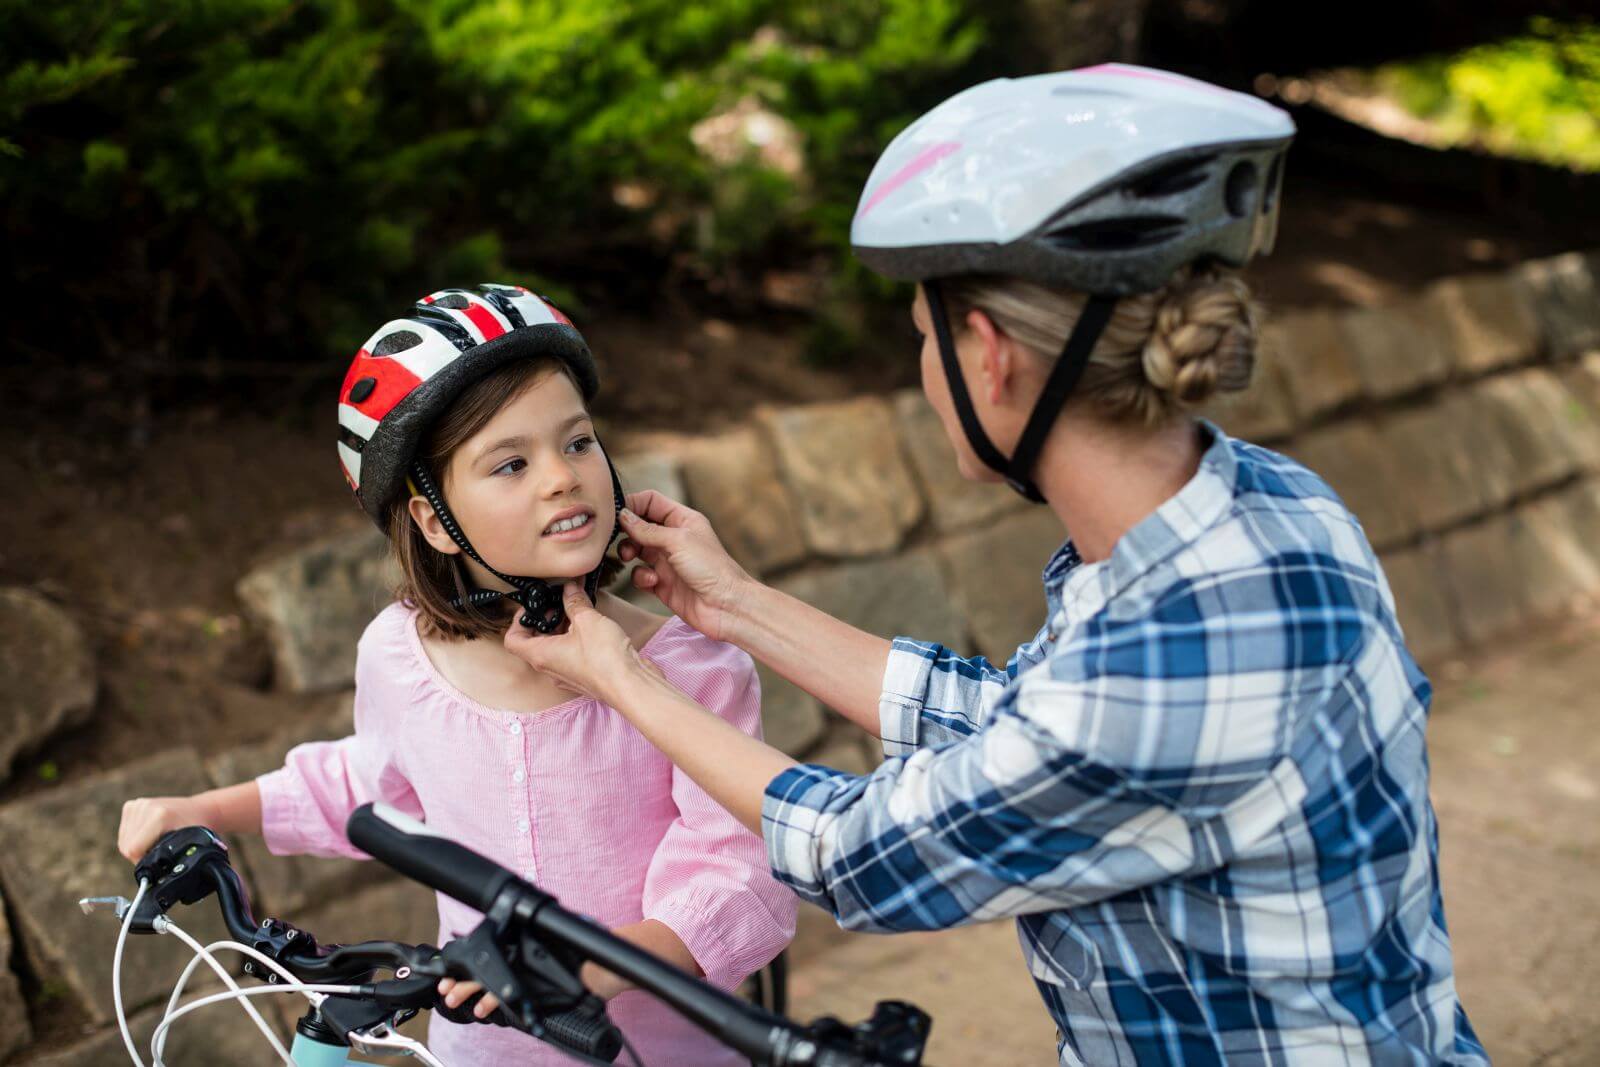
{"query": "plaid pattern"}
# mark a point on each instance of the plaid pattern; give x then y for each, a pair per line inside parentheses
(1201, 790)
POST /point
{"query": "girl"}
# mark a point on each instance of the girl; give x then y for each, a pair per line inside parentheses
(465, 434)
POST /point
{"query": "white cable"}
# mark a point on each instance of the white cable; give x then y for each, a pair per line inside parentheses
(266, 961)
(239, 994)
(116, 972)
(227, 980)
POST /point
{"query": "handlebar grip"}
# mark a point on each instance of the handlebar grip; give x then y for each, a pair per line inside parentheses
(401, 842)
(592, 1035)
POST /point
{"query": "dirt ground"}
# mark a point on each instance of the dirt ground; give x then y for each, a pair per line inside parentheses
(1515, 744)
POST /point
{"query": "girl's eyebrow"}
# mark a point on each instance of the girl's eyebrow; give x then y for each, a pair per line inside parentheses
(521, 439)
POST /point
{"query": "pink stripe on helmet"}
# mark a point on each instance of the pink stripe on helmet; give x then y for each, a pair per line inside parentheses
(921, 162)
(1151, 75)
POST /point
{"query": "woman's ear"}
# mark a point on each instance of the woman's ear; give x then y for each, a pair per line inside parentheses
(427, 521)
(996, 355)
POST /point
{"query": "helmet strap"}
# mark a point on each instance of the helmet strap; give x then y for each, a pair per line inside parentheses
(540, 600)
(1063, 378)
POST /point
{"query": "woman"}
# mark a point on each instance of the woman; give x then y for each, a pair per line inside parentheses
(1202, 788)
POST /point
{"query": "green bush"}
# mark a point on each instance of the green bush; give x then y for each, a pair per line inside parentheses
(1536, 95)
(265, 179)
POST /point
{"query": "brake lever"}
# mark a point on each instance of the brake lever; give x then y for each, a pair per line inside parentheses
(382, 1039)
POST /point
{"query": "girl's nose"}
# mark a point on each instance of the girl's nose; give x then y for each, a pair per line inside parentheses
(558, 476)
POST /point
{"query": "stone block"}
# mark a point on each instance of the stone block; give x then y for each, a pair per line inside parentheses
(1438, 454)
(1354, 459)
(854, 491)
(60, 846)
(954, 501)
(395, 910)
(893, 597)
(792, 720)
(208, 1037)
(1484, 569)
(1312, 351)
(1262, 413)
(1489, 318)
(48, 669)
(1581, 505)
(282, 885)
(996, 577)
(1566, 298)
(315, 602)
(1559, 569)
(651, 470)
(1526, 414)
(1398, 349)
(1422, 602)
(733, 479)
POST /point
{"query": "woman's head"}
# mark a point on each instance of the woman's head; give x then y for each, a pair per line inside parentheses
(517, 461)
(1161, 355)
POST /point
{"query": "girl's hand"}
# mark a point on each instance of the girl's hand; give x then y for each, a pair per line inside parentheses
(457, 993)
(592, 657)
(145, 819)
(682, 562)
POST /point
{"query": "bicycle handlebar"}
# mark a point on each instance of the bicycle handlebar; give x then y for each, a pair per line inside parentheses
(895, 1034)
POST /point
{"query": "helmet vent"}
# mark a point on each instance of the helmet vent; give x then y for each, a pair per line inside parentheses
(1115, 235)
(1171, 180)
(1240, 192)
(395, 342)
(453, 301)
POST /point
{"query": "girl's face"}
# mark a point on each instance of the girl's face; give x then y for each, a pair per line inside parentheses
(532, 489)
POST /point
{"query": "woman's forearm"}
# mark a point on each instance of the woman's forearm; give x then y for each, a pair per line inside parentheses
(832, 660)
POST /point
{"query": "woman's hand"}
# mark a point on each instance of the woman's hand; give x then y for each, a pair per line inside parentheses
(145, 819)
(592, 657)
(682, 562)
(602, 983)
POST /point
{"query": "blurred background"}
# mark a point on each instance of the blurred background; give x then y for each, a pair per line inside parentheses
(206, 207)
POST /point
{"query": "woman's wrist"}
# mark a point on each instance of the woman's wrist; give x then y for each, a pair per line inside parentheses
(742, 612)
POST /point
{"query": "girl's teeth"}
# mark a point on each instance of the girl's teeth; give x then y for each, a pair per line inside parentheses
(568, 524)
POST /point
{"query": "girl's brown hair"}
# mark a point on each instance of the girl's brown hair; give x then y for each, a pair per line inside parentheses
(430, 579)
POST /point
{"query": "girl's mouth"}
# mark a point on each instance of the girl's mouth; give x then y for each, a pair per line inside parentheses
(573, 527)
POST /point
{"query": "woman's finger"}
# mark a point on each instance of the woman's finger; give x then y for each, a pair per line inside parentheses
(486, 1006)
(644, 578)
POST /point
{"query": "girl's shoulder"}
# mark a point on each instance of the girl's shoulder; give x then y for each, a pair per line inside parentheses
(388, 643)
(706, 669)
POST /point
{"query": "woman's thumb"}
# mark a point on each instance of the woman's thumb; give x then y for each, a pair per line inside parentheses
(574, 599)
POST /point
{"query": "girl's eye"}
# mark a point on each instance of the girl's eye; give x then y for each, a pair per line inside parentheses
(581, 445)
(510, 466)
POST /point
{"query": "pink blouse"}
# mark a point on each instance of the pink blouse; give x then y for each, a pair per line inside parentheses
(571, 798)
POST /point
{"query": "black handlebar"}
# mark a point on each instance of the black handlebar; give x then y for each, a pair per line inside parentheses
(895, 1034)
(409, 847)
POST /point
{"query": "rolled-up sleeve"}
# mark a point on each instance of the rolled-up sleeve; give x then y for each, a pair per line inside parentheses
(708, 879)
(931, 695)
(1110, 770)
(304, 804)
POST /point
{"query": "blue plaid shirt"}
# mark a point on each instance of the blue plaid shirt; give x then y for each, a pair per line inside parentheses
(1201, 790)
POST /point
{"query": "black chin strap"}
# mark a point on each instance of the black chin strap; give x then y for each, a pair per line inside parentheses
(1064, 376)
(540, 601)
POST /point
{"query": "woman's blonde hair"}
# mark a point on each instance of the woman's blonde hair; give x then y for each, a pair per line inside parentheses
(1161, 354)
(430, 579)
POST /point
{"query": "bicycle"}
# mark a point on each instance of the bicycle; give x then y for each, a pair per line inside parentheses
(527, 951)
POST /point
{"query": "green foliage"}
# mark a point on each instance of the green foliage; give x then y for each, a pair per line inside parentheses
(1535, 96)
(270, 178)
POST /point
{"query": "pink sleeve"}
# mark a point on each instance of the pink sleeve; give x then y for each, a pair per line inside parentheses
(709, 881)
(304, 805)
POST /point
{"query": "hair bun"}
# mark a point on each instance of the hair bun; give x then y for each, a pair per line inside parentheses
(1204, 337)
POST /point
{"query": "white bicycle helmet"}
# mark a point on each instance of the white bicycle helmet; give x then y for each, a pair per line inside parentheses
(1106, 179)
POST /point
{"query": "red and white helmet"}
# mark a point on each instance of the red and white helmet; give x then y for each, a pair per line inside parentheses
(412, 369)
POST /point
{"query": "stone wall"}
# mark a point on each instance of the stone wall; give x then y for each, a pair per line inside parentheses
(1462, 426)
